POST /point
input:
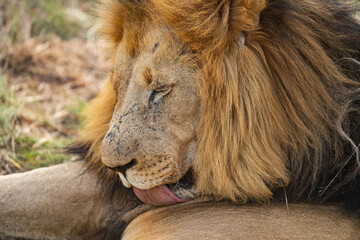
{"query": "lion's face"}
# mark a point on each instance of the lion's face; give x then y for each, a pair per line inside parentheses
(151, 138)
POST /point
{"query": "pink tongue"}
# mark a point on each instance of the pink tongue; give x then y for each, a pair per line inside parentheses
(157, 196)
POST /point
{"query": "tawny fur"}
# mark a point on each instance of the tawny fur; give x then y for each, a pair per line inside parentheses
(277, 109)
(232, 222)
(64, 202)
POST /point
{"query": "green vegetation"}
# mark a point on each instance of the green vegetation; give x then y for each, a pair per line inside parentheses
(9, 110)
(28, 18)
(30, 136)
(76, 108)
(28, 150)
(55, 20)
(42, 156)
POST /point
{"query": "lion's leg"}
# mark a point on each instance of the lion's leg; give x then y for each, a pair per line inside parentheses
(61, 202)
(227, 221)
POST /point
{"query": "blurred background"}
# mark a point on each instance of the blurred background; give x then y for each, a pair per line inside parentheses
(49, 69)
(50, 66)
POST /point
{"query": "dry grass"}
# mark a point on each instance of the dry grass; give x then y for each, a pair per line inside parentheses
(44, 80)
(47, 83)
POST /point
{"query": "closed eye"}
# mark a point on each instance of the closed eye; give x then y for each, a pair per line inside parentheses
(152, 96)
(157, 95)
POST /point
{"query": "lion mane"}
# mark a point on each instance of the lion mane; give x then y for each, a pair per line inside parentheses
(279, 115)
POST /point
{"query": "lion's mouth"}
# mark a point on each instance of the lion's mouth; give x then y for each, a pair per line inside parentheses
(168, 194)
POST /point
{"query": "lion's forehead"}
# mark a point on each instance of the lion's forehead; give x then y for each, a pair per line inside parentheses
(160, 55)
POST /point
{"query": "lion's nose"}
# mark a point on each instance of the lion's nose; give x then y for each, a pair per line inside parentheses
(122, 169)
(118, 151)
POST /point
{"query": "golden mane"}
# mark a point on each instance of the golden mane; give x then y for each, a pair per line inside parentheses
(274, 110)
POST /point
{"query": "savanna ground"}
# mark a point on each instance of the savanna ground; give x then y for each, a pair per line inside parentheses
(50, 66)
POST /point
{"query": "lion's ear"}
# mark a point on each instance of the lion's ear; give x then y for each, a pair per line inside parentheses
(209, 25)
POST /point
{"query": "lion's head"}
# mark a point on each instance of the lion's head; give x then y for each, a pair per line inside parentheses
(151, 137)
(245, 95)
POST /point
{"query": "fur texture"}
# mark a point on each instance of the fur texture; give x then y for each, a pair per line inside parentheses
(62, 202)
(279, 90)
(229, 221)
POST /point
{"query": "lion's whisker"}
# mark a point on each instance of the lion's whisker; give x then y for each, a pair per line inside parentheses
(337, 174)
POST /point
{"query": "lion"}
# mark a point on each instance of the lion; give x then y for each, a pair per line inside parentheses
(247, 101)
(252, 100)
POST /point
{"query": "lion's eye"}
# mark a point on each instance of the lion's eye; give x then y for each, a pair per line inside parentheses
(157, 94)
(152, 96)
